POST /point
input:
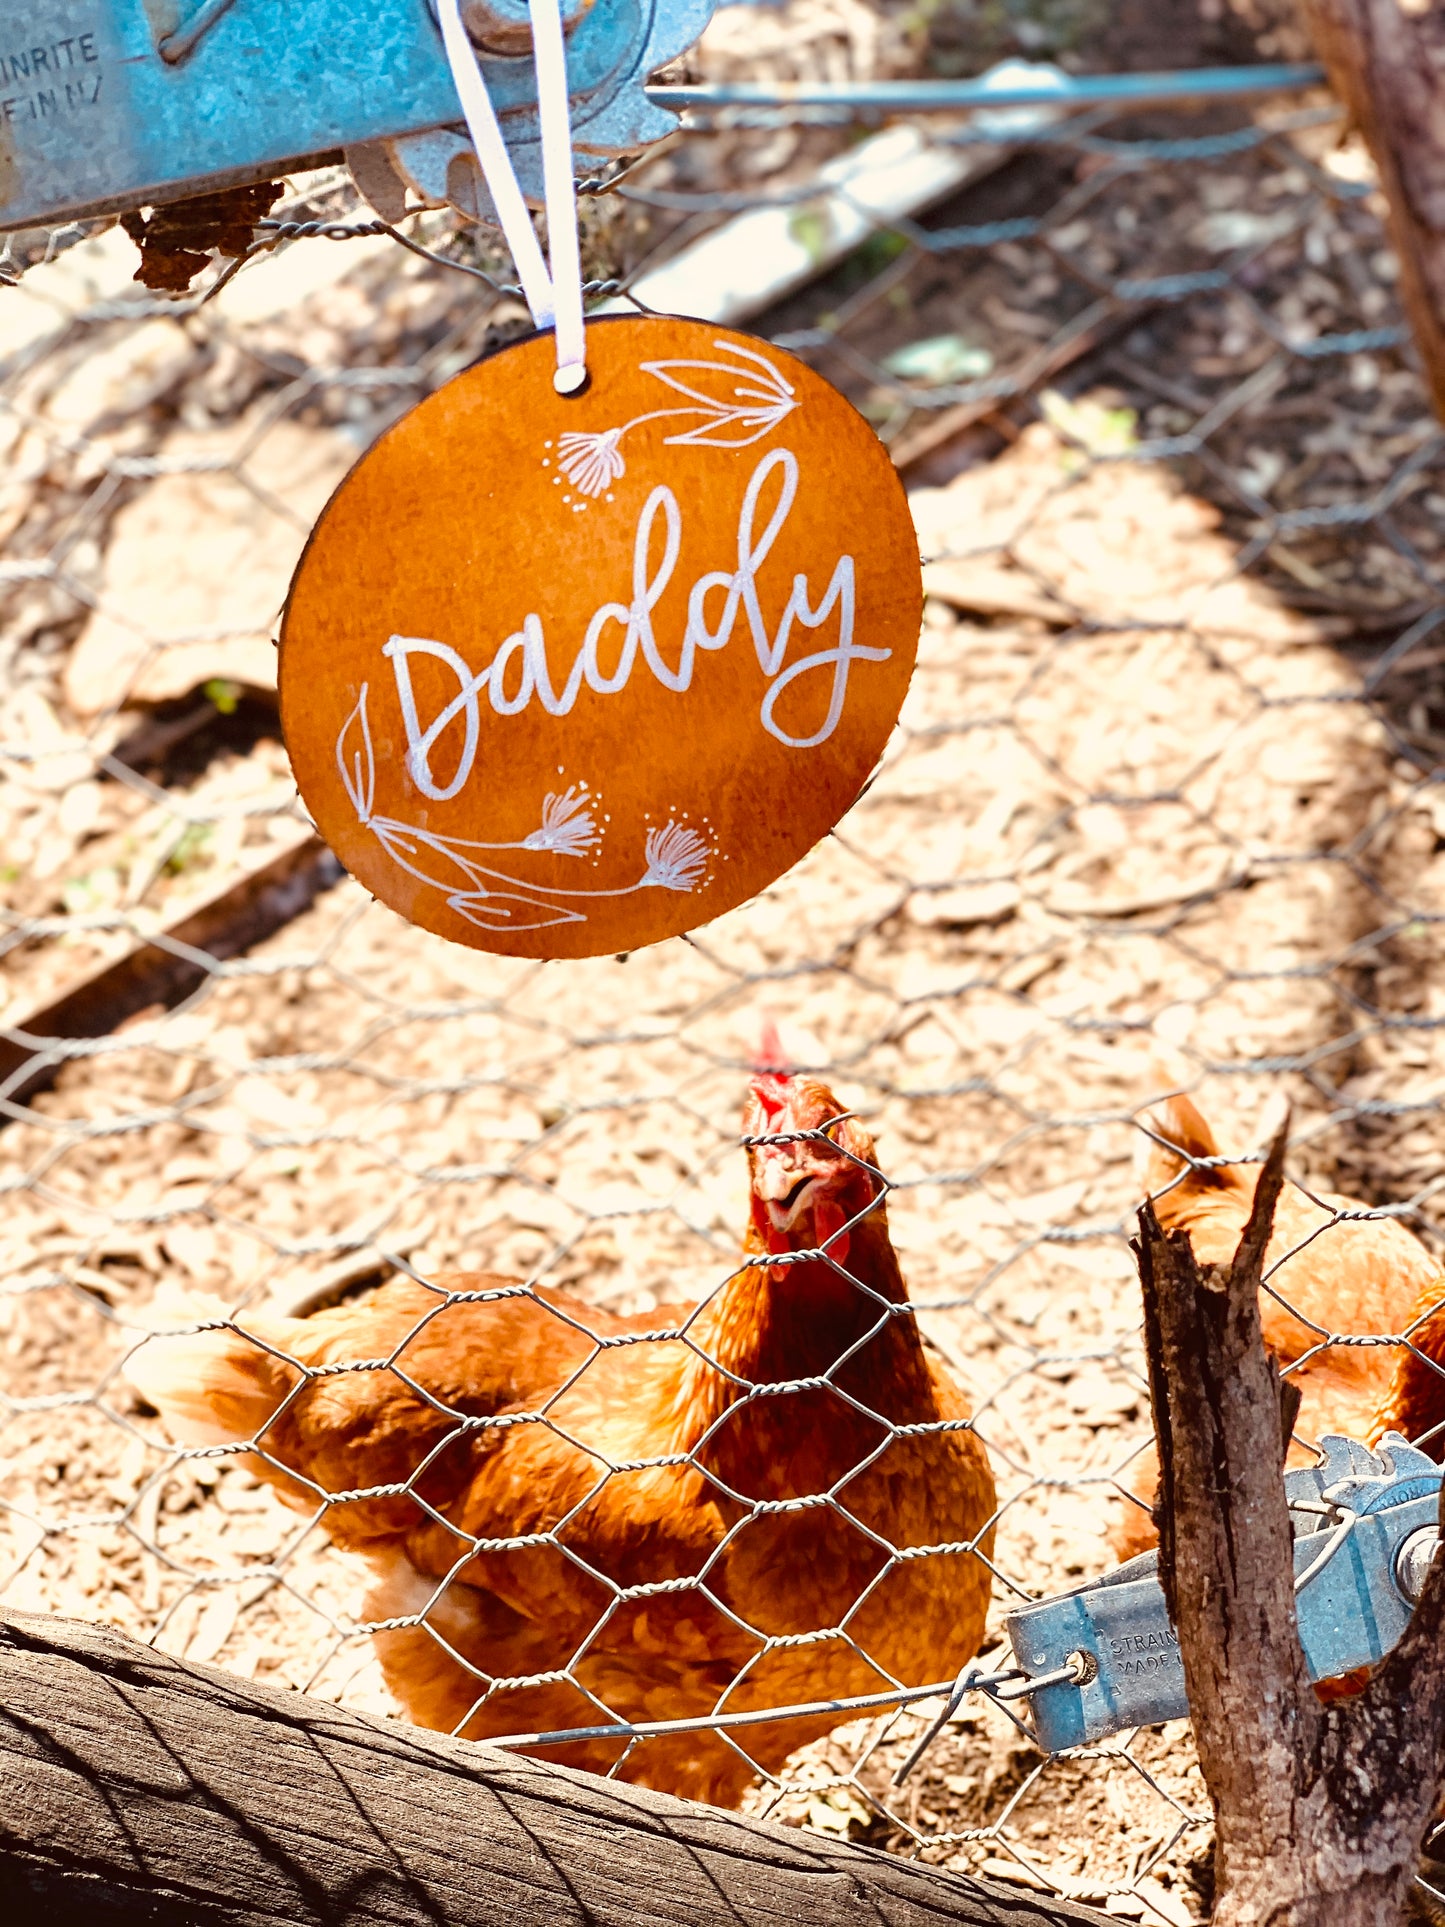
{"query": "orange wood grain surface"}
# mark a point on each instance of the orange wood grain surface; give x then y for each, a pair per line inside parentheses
(621, 624)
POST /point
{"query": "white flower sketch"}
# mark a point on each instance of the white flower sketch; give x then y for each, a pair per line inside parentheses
(591, 462)
(568, 826)
(741, 397)
(677, 857)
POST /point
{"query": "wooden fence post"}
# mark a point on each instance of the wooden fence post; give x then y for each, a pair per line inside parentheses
(139, 1788)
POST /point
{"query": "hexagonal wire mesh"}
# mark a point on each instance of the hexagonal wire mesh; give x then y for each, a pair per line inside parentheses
(1162, 813)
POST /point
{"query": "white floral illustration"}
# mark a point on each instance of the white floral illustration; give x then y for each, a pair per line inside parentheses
(676, 858)
(741, 397)
(568, 826)
(753, 405)
(591, 462)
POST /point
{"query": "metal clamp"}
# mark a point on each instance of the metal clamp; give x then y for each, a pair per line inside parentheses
(1366, 1530)
(115, 104)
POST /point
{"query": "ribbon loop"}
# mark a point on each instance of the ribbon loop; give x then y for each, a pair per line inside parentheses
(552, 289)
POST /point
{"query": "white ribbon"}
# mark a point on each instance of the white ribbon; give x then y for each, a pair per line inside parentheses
(553, 291)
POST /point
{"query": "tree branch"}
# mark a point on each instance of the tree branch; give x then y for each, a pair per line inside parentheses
(1386, 61)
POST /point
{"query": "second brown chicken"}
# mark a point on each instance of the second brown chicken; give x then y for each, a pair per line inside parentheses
(1328, 1277)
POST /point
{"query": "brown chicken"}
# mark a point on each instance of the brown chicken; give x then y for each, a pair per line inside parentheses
(1343, 1278)
(530, 1503)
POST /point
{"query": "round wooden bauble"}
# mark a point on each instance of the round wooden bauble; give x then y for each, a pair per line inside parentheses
(563, 675)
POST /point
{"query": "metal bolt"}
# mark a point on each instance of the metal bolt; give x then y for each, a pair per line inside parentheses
(1412, 1562)
(503, 28)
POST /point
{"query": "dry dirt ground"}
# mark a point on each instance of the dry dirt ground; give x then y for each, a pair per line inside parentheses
(1142, 825)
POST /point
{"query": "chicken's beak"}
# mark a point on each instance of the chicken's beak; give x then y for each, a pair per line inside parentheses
(786, 1193)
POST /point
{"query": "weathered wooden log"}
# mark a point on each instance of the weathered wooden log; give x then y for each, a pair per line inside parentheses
(1386, 61)
(136, 1787)
(1320, 1809)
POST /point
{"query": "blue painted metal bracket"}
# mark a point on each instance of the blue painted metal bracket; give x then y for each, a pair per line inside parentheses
(113, 104)
(1366, 1529)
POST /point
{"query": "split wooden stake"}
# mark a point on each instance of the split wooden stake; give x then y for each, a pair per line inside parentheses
(1320, 1809)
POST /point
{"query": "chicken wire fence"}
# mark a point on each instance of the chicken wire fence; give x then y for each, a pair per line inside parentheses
(1162, 813)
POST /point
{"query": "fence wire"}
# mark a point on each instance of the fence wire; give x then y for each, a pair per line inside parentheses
(1163, 813)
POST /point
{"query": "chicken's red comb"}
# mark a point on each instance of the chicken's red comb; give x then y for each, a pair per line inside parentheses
(769, 1057)
(771, 1082)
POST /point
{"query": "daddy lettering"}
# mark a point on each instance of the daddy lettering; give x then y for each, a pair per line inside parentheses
(520, 671)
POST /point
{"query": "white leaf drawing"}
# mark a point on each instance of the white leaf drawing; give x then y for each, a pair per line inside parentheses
(411, 849)
(499, 910)
(355, 761)
(741, 399)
